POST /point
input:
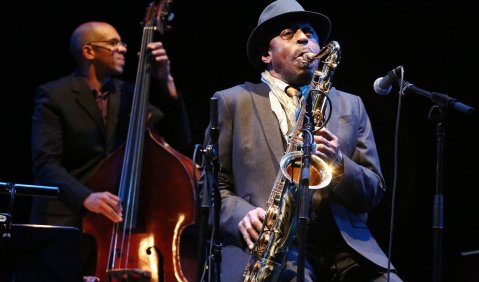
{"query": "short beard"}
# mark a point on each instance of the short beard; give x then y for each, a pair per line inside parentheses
(301, 77)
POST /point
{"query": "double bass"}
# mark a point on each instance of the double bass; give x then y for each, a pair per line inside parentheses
(156, 240)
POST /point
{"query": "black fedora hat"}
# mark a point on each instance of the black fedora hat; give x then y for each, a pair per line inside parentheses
(271, 21)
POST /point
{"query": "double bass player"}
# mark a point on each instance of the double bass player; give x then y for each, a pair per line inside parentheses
(82, 118)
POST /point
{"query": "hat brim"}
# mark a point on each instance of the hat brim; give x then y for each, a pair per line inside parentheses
(264, 32)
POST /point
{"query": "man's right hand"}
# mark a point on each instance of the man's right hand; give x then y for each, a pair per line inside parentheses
(250, 226)
(105, 203)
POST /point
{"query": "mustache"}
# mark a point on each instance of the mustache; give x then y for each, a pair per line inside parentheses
(301, 52)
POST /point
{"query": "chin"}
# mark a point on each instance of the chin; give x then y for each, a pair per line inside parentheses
(118, 70)
(305, 76)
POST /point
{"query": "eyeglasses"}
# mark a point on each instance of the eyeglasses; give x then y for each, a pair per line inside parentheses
(114, 43)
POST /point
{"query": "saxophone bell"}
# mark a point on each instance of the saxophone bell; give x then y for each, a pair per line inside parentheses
(320, 173)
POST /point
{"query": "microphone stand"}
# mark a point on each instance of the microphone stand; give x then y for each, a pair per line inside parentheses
(214, 133)
(438, 114)
(303, 188)
(22, 190)
(211, 189)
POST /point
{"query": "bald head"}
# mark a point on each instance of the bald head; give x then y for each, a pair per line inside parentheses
(88, 32)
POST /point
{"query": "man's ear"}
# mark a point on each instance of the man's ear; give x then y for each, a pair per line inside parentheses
(88, 52)
(265, 56)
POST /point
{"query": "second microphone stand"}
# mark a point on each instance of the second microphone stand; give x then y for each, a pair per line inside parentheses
(211, 190)
(438, 114)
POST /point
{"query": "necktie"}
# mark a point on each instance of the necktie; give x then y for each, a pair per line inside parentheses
(293, 93)
(102, 102)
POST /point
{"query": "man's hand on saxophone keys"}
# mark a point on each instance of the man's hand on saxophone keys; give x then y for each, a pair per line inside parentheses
(250, 226)
(328, 147)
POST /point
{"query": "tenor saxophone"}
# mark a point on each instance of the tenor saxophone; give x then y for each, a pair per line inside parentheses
(268, 255)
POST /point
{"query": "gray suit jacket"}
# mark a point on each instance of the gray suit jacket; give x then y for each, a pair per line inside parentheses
(250, 148)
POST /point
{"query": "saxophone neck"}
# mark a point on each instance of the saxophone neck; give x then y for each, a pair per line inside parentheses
(332, 48)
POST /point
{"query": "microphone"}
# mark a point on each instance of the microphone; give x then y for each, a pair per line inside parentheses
(383, 85)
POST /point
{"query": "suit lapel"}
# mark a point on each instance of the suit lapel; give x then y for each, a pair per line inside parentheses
(269, 123)
(85, 99)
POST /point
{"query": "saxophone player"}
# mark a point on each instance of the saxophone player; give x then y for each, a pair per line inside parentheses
(255, 120)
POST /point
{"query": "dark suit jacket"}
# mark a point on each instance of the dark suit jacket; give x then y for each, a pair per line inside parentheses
(70, 140)
(250, 149)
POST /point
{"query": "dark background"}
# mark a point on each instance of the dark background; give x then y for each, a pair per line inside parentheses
(433, 40)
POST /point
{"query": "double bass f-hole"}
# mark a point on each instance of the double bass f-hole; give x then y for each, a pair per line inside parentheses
(156, 185)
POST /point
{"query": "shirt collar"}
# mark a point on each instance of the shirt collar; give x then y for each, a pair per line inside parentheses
(282, 85)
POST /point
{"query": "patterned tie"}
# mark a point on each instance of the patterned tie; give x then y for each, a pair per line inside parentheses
(102, 102)
(293, 93)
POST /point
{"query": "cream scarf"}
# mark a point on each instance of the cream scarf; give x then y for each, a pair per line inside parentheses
(286, 115)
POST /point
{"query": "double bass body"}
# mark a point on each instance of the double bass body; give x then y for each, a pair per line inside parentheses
(162, 245)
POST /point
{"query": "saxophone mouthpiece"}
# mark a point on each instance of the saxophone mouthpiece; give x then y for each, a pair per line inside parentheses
(309, 57)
